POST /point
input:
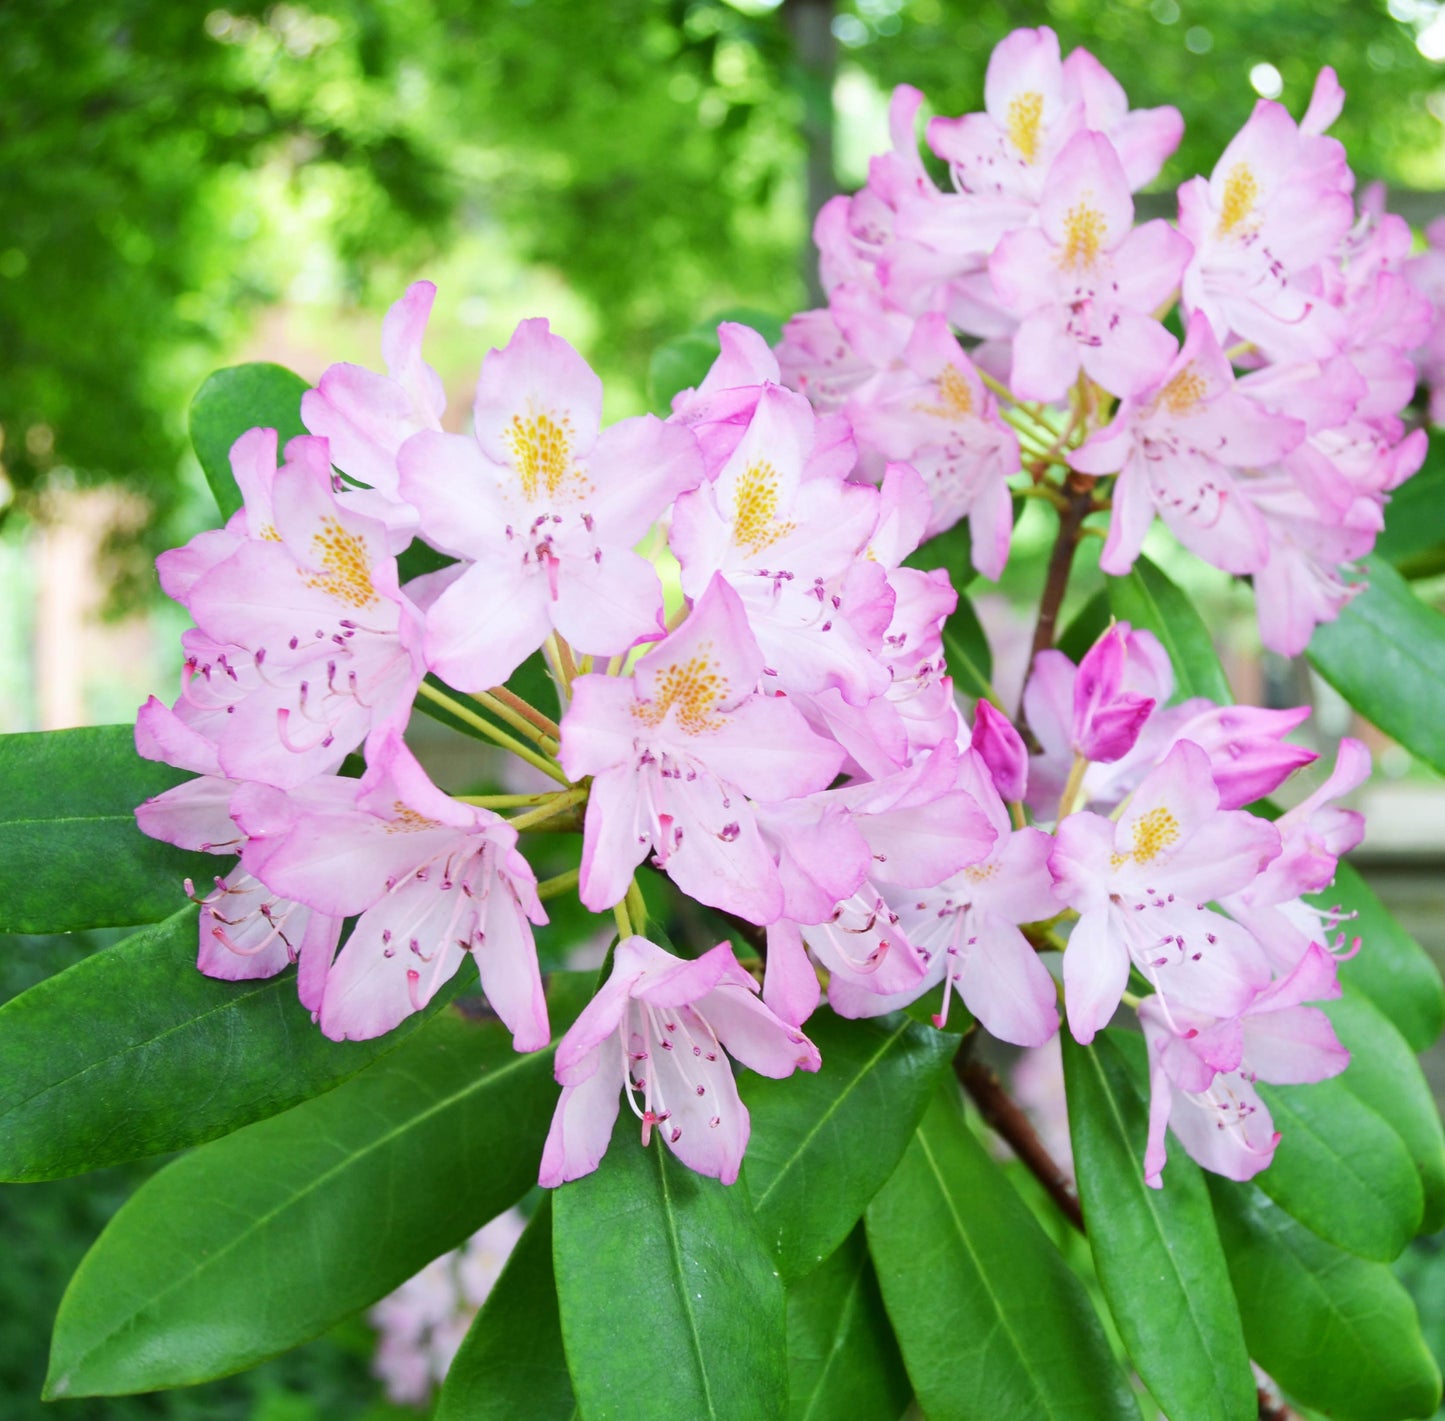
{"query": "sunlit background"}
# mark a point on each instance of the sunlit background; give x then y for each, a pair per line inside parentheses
(185, 188)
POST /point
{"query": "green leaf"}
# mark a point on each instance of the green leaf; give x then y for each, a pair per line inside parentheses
(1341, 1170)
(1087, 625)
(1385, 654)
(951, 550)
(993, 1324)
(1391, 968)
(1156, 1251)
(670, 1305)
(1336, 1332)
(511, 1363)
(1415, 515)
(1384, 1074)
(679, 364)
(265, 1239)
(242, 397)
(133, 1052)
(843, 1361)
(1147, 598)
(71, 856)
(970, 662)
(823, 1144)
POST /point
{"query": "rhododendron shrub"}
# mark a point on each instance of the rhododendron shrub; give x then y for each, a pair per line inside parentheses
(724, 691)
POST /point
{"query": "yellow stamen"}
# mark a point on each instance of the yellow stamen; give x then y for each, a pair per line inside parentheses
(755, 509)
(1153, 833)
(347, 561)
(1184, 391)
(1241, 191)
(1025, 112)
(694, 688)
(1084, 232)
(541, 448)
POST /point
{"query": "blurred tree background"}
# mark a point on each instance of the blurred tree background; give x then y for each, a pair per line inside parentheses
(170, 172)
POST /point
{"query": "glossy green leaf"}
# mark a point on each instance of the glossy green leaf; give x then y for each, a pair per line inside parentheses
(965, 645)
(1147, 598)
(1384, 1074)
(992, 1323)
(1341, 1170)
(843, 1361)
(242, 397)
(670, 1304)
(1086, 626)
(1385, 655)
(1415, 516)
(1336, 1332)
(71, 856)
(133, 1052)
(823, 1144)
(1156, 1251)
(511, 1363)
(262, 1240)
(1391, 968)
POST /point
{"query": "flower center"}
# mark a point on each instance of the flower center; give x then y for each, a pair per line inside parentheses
(695, 688)
(343, 555)
(1184, 391)
(541, 448)
(407, 820)
(1153, 833)
(1084, 231)
(1025, 111)
(755, 509)
(1241, 191)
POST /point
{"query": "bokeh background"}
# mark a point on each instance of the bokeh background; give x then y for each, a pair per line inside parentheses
(183, 188)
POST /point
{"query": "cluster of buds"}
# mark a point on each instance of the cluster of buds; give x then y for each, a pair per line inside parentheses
(759, 708)
(1267, 441)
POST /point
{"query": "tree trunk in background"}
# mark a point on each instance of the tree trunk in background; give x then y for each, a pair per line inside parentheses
(815, 56)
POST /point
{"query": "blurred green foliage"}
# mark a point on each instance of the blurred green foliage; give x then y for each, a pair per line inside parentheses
(159, 163)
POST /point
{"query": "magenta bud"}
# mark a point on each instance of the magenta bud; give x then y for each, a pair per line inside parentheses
(1107, 718)
(1002, 749)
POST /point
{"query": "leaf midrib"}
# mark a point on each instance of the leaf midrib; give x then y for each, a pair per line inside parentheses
(845, 1317)
(675, 1248)
(833, 1107)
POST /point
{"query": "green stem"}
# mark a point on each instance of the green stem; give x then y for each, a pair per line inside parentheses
(495, 733)
(507, 801)
(562, 883)
(559, 804)
(520, 715)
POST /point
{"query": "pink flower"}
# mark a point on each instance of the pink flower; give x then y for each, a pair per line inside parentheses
(544, 511)
(429, 880)
(366, 417)
(660, 1027)
(1202, 1073)
(966, 930)
(1085, 280)
(1140, 887)
(1173, 446)
(677, 750)
(308, 643)
(1276, 205)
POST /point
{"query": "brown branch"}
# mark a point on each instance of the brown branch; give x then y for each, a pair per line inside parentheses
(1003, 1115)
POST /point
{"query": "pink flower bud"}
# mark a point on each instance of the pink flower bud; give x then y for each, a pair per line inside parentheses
(1002, 750)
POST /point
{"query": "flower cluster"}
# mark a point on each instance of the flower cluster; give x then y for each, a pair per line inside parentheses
(1267, 441)
(759, 709)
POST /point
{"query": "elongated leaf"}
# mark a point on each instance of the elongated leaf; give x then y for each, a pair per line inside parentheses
(265, 1239)
(71, 856)
(1386, 656)
(822, 1145)
(1415, 518)
(1147, 598)
(670, 1305)
(242, 397)
(511, 1363)
(992, 1324)
(1156, 1251)
(132, 1052)
(1391, 968)
(1336, 1332)
(1341, 1170)
(1384, 1074)
(843, 1361)
(1086, 627)
(970, 662)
